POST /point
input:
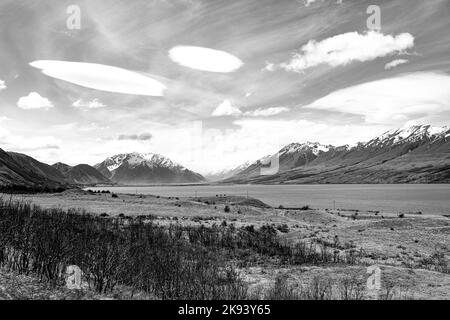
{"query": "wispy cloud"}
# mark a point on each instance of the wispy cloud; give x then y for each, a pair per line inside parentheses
(140, 137)
(34, 101)
(309, 2)
(2, 85)
(93, 104)
(345, 48)
(101, 77)
(395, 63)
(261, 112)
(227, 108)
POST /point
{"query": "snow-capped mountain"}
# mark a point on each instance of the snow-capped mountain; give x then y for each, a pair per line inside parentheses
(145, 168)
(411, 134)
(416, 154)
(292, 156)
(313, 147)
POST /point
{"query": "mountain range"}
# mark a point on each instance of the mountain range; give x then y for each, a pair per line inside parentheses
(417, 154)
(138, 169)
(81, 174)
(21, 172)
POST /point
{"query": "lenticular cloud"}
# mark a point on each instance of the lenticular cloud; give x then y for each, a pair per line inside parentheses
(101, 77)
(204, 59)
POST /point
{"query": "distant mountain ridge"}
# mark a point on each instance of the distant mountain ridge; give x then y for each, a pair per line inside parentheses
(81, 174)
(416, 154)
(19, 171)
(146, 168)
(226, 173)
(292, 156)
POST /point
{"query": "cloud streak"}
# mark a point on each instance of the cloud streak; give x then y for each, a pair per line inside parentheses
(101, 77)
(93, 104)
(138, 137)
(261, 112)
(395, 63)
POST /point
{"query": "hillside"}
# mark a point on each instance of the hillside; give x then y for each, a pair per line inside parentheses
(419, 154)
(81, 174)
(21, 171)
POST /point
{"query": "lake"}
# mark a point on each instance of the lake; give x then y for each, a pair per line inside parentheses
(428, 199)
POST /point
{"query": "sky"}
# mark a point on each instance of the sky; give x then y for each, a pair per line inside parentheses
(212, 84)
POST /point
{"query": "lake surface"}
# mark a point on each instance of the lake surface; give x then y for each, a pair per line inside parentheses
(428, 199)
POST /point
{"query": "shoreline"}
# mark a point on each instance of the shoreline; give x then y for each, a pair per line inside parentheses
(425, 198)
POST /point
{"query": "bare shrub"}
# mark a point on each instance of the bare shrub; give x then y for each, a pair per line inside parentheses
(352, 288)
(141, 255)
(282, 290)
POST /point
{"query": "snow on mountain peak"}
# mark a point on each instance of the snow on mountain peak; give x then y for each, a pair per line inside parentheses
(135, 159)
(315, 147)
(408, 134)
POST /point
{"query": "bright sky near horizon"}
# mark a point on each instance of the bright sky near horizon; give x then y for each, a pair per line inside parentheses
(215, 83)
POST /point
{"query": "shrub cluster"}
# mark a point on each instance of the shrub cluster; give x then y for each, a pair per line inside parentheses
(169, 262)
(140, 255)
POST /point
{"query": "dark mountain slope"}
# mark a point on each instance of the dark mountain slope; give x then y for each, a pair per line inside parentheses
(82, 174)
(18, 171)
(419, 154)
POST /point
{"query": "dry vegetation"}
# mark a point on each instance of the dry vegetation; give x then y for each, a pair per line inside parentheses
(220, 247)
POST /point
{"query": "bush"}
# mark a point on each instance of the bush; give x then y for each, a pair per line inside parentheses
(436, 262)
(170, 262)
(282, 290)
(227, 209)
(284, 228)
(142, 256)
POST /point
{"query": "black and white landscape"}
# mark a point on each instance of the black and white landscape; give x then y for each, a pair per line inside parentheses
(215, 149)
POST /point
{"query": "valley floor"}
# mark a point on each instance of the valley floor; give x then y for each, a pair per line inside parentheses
(412, 251)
